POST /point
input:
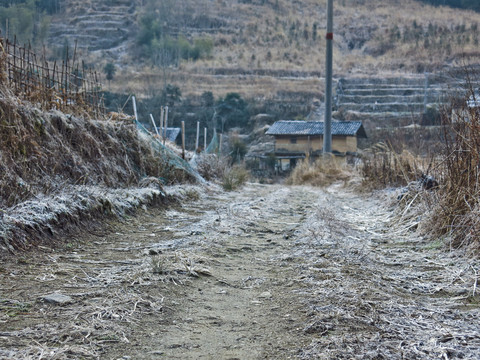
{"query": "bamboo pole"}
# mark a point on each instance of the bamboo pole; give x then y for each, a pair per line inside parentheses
(166, 125)
(28, 72)
(154, 126)
(162, 125)
(74, 53)
(65, 79)
(183, 140)
(204, 139)
(15, 61)
(198, 136)
(7, 44)
(135, 108)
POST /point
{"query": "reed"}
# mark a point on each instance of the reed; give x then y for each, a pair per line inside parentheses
(458, 211)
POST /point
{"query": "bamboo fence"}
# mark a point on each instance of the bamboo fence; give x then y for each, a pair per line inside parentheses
(65, 86)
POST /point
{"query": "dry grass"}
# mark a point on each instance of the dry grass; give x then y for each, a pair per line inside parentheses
(384, 167)
(322, 172)
(458, 209)
(452, 209)
(260, 35)
(45, 155)
(211, 166)
(234, 177)
(195, 81)
(42, 151)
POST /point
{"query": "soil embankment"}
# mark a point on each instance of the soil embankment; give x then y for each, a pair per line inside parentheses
(268, 272)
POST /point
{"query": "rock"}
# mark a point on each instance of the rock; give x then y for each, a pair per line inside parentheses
(265, 295)
(57, 299)
(428, 182)
(203, 271)
(154, 252)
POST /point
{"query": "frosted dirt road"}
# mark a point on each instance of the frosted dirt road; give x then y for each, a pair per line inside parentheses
(268, 272)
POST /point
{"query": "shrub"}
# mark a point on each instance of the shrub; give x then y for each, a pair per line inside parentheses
(234, 177)
(211, 166)
(233, 111)
(109, 70)
(27, 19)
(322, 172)
(383, 167)
(238, 149)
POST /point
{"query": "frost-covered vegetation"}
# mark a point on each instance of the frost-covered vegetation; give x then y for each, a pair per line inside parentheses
(440, 191)
(57, 168)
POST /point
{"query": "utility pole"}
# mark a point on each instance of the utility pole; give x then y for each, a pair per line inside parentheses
(327, 128)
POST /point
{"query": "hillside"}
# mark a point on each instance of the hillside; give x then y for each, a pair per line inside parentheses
(283, 41)
(269, 52)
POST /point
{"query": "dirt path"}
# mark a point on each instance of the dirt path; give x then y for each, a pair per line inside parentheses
(268, 272)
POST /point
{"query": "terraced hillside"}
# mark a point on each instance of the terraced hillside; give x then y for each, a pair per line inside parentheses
(272, 51)
(392, 101)
(94, 25)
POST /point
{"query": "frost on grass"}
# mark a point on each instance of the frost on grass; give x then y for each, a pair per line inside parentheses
(377, 290)
(74, 204)
(57, 168)
(94, 326)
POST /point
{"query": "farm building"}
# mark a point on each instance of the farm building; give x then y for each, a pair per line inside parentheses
(296, 139)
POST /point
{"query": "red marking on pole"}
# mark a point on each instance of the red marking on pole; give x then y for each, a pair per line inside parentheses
(329, 36)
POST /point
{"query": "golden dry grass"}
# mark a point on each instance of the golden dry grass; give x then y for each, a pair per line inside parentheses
(322, 172)
(458, 205)
(384, 167)
(252, 86)
(263, 36)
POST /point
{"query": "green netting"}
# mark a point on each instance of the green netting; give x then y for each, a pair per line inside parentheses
(170, 157)
(213, 147)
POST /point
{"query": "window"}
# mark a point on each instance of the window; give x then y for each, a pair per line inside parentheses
(293, 140)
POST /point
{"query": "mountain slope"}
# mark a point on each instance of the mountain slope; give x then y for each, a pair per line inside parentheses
(268, 50)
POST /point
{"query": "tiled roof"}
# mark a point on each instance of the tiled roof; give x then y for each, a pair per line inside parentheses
(293, 127)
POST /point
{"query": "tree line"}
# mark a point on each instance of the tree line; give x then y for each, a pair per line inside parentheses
(49, 6)
(28, 20)
(461, 4)
(163, 39)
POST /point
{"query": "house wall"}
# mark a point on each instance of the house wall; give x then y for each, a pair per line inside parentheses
(344, 144)
(352, 143)
(302, 145)
(339, 143)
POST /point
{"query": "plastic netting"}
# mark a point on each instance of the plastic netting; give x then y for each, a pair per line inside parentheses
(170, 157)
(213, 147)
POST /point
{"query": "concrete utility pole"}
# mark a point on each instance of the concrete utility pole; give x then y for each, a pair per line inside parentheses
(327, 128)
